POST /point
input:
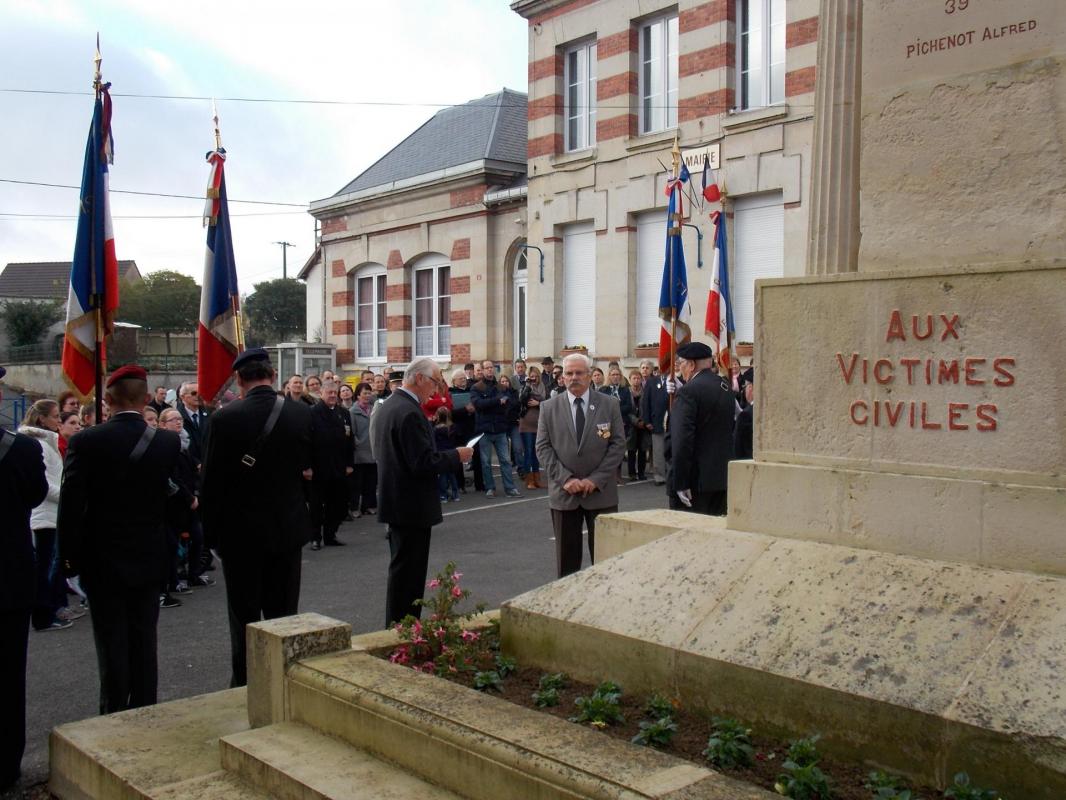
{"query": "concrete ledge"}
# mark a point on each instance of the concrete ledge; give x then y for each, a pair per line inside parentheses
(133, 754)
(616, 533)
(928, 667)
(482, 746)
(995, 525)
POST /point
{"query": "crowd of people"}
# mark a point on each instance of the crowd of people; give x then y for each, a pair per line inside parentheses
(332, 438)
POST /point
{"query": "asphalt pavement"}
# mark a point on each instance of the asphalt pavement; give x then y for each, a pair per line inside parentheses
(503, 547)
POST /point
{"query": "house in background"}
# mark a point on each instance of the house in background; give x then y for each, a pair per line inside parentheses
(611, 83)
(420, 255)
(47, 280)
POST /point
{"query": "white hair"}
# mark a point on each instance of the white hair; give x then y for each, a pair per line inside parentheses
(184, 388)
(458, 373)
(420, 366)
(578, 357)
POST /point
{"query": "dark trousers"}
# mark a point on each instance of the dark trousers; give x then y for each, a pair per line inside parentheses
(567, 526)
(479, 478)
(258, 586)
(710, 503)
(409, 548)
(51, 588)
(14, 639)
(329, 506)
(364, 487)
(124, 628)
(637, 461)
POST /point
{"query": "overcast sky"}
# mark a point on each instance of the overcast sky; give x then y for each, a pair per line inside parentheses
(403, 51)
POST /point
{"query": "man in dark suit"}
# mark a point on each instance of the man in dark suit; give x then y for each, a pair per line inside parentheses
(745, 425)
(580, 444)
(253, 499)
(701, 433)
(193, 418)
(332, 461)
(23, 487)
(408, 495)
(112, 507)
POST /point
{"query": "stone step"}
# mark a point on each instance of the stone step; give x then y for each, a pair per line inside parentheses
(481, 746)
(290, 761)
(135, 754)
(219, 785)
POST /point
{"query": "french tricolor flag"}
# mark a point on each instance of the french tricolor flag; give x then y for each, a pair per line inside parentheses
(220, 337)
(719, 321)
(92, 298)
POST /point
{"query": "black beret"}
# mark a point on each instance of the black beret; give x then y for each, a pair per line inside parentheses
(250, 355)
(694, 351)
(748, 375)
(395, 376)
(546, 360)
(134, 371)
(3, 372)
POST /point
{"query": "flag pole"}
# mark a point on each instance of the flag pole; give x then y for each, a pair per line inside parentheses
(673, 231)
(99, 292)
(235, 301)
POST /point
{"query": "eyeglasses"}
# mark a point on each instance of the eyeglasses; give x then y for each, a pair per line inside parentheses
(192, 394)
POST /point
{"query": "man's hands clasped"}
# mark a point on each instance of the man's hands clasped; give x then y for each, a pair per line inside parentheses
(581, 486)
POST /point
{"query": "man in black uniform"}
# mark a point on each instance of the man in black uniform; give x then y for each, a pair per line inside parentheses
(257, 456)
(409, 499)
(332, 461)
(701, 433)
(23, 487)
(112, 508)
(745, 426)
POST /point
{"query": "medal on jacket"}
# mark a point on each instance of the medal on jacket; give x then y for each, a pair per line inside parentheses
(603, 430)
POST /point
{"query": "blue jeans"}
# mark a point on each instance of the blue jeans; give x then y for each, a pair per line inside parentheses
(518, 450)
(529, 447)
(448, 485)
(499, 441)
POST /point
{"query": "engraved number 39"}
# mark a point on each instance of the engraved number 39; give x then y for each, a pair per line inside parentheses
(951, 6)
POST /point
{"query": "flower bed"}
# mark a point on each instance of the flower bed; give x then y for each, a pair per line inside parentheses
(445, 645)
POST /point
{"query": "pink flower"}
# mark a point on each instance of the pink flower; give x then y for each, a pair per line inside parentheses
(470, 636)
(419, 640)
(417, 627)
(457, 592)
(456, 576)
(429, 667)
(433, 584)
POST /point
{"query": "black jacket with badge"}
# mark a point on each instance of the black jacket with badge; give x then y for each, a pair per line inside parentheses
(408, 463)
(262, 507)
(112, 513)
(331, 441)
(701, 433)
(23, 487)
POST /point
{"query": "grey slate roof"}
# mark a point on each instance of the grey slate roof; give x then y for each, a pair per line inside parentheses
(48, 279)
(492, 128)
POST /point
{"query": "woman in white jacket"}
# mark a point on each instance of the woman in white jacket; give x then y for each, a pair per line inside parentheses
(42, 423)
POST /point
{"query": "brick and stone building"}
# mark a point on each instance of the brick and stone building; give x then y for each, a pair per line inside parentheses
(420, 254)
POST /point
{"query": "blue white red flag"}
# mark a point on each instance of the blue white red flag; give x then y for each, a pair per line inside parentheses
(673, 296)
(711, 192)
(719, 323)
(219, 329)
(92, 298)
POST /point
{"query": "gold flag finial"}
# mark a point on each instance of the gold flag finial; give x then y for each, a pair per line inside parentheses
(214, 118)
(97, 60)
(676, 153)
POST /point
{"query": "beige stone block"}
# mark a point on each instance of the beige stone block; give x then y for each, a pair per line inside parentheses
(1023, 527)
(782, 500)
(780, 172)
(617, 533)
(133, 753)
(853, 317)
(740, 172)
(275, 644)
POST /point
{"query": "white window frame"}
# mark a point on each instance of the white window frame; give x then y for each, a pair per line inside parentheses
(579, 287)
(758, 252)
(441, 328)
(771, 54)
(379, 322)
(659, 93)
(579, 84)
(521, 303)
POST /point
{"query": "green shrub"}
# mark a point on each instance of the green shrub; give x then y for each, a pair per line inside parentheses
(658, 707)
(961, 789)
(486, 680)
(729, 745)
(803, 782)
(656, 733)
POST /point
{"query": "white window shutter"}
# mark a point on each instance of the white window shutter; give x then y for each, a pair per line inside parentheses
(758, 252)
(579, 285)
(651, 256)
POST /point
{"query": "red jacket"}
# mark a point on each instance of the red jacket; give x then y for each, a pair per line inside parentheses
(429, 408)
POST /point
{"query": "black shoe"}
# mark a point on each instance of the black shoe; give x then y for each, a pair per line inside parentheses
(316, 545)
(334, 543)
(166, 601)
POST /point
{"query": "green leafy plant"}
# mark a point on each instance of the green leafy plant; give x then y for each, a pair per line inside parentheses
(542, 698)
(656, 733)
(962, 789)
(659, 706)
(554, 680)
(442, 644)
(804, 752)
(729, 745)
(505, 665)
(803, 782)
(601, 708)
(886, 786)
(488, 679)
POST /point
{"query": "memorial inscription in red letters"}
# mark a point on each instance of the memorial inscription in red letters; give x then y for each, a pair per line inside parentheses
(910, 370)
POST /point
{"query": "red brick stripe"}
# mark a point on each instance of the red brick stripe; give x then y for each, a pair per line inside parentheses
(343, 299)
(338, 269)
(398, 291)
(346, 356)
(545, 145)
(799, 81)
(467, 197)
(701, 16)
(624, 42)
(460, 285)
(623, 83)
(550, 67)
(398, 355)
(721, 55)
(459, 319)
(802, 31)
(623, 125)
(545, 106)
(460, 249)
(395, 260)
(705, 105)
(398, 322)
(343, 327)
(335, 225)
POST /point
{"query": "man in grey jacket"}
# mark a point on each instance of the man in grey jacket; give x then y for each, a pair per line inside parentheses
(580, 443)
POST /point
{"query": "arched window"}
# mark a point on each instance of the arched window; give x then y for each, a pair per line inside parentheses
(370, 325)
(431, 278)
(521, 284)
